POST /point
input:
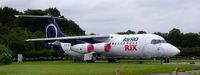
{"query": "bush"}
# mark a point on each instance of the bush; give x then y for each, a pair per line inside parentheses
(5, 55)
(191, 52)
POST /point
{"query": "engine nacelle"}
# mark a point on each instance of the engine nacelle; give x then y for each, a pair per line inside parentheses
(83, 48)
(102, 47)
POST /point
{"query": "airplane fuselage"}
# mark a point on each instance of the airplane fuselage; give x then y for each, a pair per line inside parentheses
(134, 46)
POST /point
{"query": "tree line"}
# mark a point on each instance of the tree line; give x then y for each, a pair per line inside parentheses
(13, 31)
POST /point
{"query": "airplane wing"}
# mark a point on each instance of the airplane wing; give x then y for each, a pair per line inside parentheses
(69, 38)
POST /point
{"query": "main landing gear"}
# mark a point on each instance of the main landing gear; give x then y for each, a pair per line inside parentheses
(166, 60)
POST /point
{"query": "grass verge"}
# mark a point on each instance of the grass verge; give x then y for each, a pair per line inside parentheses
(100, 68)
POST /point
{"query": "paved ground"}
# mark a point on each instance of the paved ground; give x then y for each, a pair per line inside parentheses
(182, 73)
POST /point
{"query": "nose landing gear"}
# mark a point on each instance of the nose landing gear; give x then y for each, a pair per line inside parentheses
(166, 60)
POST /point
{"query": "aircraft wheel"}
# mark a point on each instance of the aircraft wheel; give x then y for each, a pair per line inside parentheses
(166, 60)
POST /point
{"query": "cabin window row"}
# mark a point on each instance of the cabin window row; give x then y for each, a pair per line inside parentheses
(156, 41)
(123, 43)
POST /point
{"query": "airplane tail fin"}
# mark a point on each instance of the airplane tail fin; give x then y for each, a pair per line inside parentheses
(52, 30)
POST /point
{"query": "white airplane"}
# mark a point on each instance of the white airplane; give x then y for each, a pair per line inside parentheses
(110, 46)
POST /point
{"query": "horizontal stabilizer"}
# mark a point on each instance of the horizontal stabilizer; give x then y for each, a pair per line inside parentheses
(38, 16)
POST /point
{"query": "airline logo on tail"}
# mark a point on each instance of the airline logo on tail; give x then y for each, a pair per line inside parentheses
(51, 31)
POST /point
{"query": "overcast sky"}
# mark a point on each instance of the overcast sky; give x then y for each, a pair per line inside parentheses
(111, 16)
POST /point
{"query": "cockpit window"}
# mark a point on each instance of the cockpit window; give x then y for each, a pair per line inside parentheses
(156, 41)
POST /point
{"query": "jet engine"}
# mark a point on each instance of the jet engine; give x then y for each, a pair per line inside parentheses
(102, 47)
(83, 48)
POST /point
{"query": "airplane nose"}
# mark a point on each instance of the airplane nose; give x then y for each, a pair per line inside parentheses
(175, 50)
(169, 50)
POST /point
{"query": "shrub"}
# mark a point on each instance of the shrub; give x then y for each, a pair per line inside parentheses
(5, 55)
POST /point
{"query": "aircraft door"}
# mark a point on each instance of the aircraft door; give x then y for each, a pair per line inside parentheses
(158, 52)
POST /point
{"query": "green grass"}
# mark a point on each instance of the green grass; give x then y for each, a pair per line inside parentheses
(158, 61)
(100, 68)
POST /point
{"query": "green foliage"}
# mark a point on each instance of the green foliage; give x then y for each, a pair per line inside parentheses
(53, 11)
(187, 40)
(34, 12)
(127, 32)
(195, 51)
(14, 31)
(199, 40)
(5, 55)
(43, 53)
(174, 37)
(190, 40)
(141, 32)
(7, 14)
(164, 35)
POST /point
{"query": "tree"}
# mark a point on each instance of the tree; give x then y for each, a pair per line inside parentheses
(141, 32)
(199, 40)
(14, 31)
(190, 40)
(7, 14)
(5, 55)
(174, 37)
(164, 35)
(127, 32)
(92, 34)
(34, 12)
(52, 11)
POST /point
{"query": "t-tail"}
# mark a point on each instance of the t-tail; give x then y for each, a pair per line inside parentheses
(52, 30)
